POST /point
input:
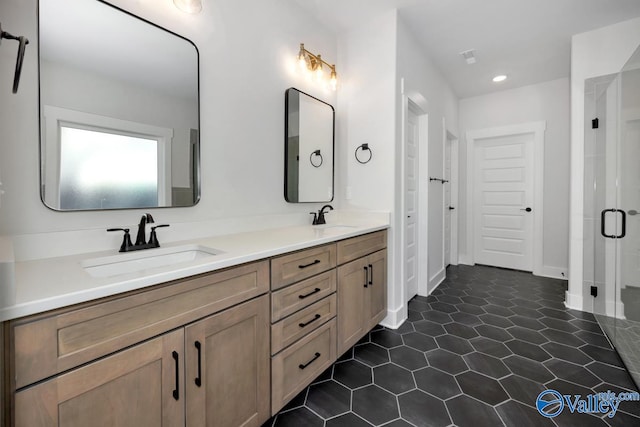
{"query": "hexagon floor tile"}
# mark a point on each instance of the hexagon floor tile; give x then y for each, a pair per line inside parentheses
(477, 352)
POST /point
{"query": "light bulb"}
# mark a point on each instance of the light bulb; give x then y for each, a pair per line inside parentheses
(302, 57)
(319, 72)
(333, 80)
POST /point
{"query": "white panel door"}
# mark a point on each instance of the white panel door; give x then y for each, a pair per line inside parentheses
(411, 204)
(503, 196)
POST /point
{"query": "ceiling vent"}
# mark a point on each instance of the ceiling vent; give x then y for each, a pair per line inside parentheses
(469, 56)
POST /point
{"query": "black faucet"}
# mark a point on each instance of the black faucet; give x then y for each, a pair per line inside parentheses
(141, 239)
(318, 219)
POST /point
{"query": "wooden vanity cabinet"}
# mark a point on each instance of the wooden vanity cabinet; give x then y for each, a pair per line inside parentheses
(303, 310)
(227, 367)
(362, 288)
(152, 382)
(140, 386)
(226, 348)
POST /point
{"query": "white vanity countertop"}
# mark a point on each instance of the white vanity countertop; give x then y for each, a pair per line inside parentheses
(51, 283)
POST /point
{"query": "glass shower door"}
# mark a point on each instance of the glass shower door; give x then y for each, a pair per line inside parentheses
(612, 208)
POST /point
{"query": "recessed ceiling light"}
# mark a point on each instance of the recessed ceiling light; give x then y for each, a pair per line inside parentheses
(500, 78)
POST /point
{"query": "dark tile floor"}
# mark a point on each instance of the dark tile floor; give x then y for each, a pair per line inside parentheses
(477, 352)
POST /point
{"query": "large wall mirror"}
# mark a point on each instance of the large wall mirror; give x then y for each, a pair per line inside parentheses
(309, 146)
(119, 110)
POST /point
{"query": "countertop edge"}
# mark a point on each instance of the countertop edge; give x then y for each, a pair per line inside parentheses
(101, 288)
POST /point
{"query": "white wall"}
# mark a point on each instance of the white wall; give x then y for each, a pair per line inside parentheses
(594, 53)
(547, 101)
(423, 83)
(376, 57)
(247, 61)
(366, 101)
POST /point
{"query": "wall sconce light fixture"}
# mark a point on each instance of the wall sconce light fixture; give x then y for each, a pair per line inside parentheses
(21, 49)
(189, 6)
(314, 63)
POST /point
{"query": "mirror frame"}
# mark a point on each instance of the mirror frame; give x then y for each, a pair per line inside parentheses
(196, 153)
(286, 146)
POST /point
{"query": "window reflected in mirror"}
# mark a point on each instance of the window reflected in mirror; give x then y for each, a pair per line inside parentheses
(99, 170)
(119, 110)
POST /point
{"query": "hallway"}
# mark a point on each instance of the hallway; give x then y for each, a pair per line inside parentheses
(475, 353)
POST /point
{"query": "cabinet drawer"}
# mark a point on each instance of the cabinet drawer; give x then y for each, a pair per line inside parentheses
(291, 299)
(291, 268)
(287, 331)
(295, 367)
(357, 247)
(48, 344)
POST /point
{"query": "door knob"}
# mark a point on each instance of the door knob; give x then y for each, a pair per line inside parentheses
(527, 209)
(633, 212)
(451, 208)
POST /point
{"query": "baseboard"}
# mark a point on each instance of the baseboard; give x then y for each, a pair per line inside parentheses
(573, 301)
(395, 318)
(554, 272)
(464, 259)
(436, 279)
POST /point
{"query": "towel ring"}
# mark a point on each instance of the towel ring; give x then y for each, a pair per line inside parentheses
(364, 147)
(316, 153)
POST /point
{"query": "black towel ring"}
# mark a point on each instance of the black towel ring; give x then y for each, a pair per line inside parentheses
(316, 153)
(364, 147)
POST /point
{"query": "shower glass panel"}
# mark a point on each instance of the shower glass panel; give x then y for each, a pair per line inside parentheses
(612, 207)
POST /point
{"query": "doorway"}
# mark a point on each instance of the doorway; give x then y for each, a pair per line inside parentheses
(411, 196)
(504, 196)
(450, 200)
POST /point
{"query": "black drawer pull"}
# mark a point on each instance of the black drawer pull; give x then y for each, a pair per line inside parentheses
(310, 264)
(370, 275)
(199, 377)
(315, 291)
(316, 317)
(301, 366)
(366, 277)
(176, 391)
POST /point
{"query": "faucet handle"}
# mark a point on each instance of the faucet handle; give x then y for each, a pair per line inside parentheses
(153, 238)
(315, 218)
(126, 240)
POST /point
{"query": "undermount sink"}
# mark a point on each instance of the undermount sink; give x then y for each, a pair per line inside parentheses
(336, 228)
(116, 265)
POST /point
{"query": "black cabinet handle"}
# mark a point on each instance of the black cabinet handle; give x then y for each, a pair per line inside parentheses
(302, 366)
(526, 209)
(176, 391)
(199, 377)
(315, 291)
(623, 232)
(366, 277)
(370, 275)
(316, 317)
(310, 264)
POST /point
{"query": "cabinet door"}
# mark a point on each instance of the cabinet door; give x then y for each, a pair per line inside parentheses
(376, 302)
(352, 287)
(140, 386)
(227, 367)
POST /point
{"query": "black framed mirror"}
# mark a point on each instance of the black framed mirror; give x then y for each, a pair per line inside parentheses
(309, 148)
(119, 110)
